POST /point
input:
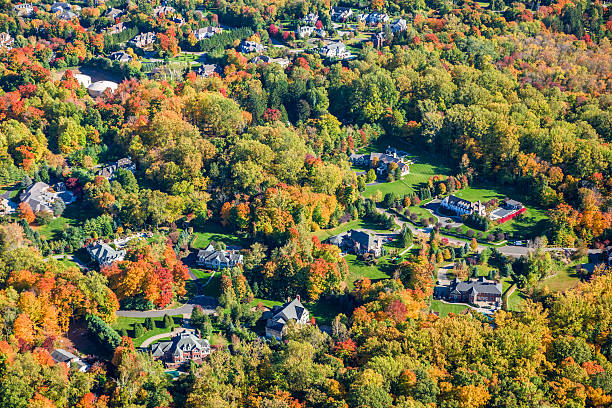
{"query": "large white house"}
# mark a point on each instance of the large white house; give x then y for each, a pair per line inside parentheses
(462, 207)
(335, 50)
(218, 259)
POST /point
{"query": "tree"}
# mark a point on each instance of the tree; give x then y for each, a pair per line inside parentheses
(168, 322)
(139, 331)
(26, 213)
(474, 245)
(149, 325)
(371, 176)
(58, 207)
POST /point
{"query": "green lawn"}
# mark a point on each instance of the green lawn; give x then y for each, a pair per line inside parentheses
(562, 280)
(217, 233)
(323, 312)
(323, 234)
(444, 309)
(75, 214)
(266, 302)
(358, 269)
(515, 299)
(128, 323)
(214, 286)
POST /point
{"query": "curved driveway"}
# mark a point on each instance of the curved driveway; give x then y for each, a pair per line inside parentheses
(208, 304)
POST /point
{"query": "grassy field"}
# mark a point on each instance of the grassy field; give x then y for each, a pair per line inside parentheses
(266, 302)
(515, 299)
(215, 232)
(444, 309)
(323, 234)
(75, 214)
(128, 323)
(564, 279)
(323, 312)
(358, 269)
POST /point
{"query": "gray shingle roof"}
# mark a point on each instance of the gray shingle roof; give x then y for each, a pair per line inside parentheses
(481, 285)
(293, 310)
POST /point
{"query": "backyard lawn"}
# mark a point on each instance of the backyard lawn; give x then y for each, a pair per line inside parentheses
(216, 232)
(323, 234)
(564, 279)
(128, 323)
(444, 309)
(358, 270)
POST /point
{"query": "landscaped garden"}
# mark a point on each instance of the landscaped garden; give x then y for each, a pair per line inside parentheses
(128, 324)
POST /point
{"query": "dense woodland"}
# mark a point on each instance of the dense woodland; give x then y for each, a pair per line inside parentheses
(517, 94)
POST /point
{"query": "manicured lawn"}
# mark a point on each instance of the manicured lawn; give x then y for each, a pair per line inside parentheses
(358, 270)
(266, 302)
(215, 232)
(201, 273)
(444, 309)
(563, 280)
(218, 340)
(399, 187)
(323, 234)
(214, 286)
(323, 312)
(128, 323)
(75, 214)
(515, 299)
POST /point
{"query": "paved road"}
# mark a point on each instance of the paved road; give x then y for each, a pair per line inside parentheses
(207, 303)
(508, 250)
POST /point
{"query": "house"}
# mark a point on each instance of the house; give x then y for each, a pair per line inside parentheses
(378, 39)
(283, 62)
(207, 70)
(374, 18)
(310, 19)
(181, 348)
(510, 204)
(66, 15)
(23, 9)
(59, 7)
(143, 40)
(120, 56)
(206, 32)
(358, 242)
(39, 196)
(109, 171)
(248, 47)
(218, 259)
(113, 13)
(473, 291)
(276, 326)
(335, 50)
(115, 29)
(61, 356)
(461, 206)
(165, 10)
(104, 254)
(6, 41)
(398, 26)
(304, 31)
(340, 14)
(381, 162)
(6, 206)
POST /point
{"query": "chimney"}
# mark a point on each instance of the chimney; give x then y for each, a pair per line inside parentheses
(298, 298)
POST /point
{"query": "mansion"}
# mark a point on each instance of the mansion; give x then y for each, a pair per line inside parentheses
(472, 291)
(276, 325)
(181, 349)
(383, 161)
(460, 206)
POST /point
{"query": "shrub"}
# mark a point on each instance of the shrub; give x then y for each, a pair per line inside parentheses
(139, 331)
(149, 325)
(470, 233)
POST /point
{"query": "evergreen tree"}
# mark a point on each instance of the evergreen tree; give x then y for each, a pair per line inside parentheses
(139, 331)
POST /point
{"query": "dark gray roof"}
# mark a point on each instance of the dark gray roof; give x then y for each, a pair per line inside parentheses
(185, 341)
(210, 254)
(480, 285)
(293, 310)
(104, 254)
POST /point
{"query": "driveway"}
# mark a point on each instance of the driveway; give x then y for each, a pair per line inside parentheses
(208, 304)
